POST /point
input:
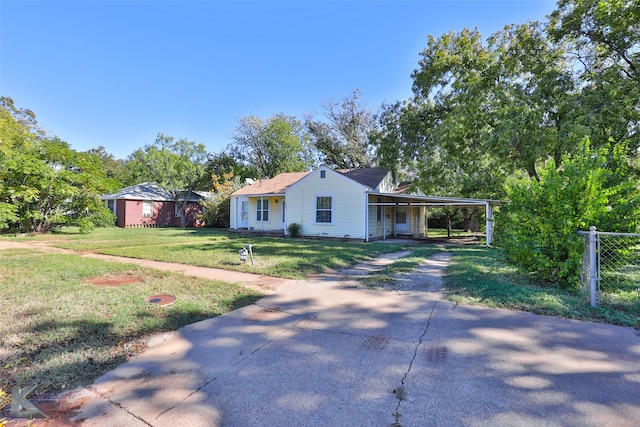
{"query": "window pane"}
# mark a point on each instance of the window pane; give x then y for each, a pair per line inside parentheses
(147, 208)
(401, 218)
(324, 202)
(265, 214)
(323, 216)
(265, 205)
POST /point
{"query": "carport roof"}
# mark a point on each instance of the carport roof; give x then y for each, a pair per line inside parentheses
(432, 201)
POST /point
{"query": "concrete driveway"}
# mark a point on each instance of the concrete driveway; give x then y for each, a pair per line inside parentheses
(327, 352)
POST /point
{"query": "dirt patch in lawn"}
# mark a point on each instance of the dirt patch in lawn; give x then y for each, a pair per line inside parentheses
(114, 280)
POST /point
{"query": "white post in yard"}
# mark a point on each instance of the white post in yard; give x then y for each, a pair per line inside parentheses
(593, 269)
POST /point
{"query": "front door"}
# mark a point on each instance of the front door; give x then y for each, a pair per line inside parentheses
(402, 225)
(282, 215)
(244, 213)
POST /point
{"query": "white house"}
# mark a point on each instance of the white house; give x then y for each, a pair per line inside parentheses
(363, 204)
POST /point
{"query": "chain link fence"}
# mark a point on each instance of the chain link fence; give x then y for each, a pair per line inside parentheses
(611, 266)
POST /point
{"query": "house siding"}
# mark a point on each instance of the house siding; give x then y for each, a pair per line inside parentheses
(387, 185)
(348, 205)
(233, 212)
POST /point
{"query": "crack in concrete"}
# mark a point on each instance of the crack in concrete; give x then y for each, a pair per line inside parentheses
(400, 392)
(235, 364)
(118, 405)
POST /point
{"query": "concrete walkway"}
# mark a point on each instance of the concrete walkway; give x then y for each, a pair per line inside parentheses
(326, 352)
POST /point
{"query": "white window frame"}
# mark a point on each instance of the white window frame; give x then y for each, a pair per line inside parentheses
(147, 208)
(332, 210)
(112, 205)
(260, 211)
(177, 210)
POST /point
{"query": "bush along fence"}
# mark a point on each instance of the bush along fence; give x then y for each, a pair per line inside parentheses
(611, 262)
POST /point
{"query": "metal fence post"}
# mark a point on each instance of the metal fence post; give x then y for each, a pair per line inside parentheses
(593, 269)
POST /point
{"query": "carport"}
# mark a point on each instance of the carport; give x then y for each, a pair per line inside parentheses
(387, 212)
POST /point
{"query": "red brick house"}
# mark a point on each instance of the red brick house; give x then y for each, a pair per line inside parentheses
(149, 205)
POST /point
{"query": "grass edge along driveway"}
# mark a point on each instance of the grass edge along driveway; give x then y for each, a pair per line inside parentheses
(66, 319)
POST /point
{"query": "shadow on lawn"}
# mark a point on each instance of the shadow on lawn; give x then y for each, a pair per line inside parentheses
(55, 361)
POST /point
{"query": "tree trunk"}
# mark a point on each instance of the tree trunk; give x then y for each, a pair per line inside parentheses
(466, 218)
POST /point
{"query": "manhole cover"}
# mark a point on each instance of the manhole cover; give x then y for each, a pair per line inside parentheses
(161, 300)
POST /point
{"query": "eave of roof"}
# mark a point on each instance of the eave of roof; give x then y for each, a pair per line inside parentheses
(275, 186)
(439, 201)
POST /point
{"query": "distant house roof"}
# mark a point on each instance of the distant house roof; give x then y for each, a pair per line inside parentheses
(403, 187)
(369, 177)
(276, 185)
(146, 191)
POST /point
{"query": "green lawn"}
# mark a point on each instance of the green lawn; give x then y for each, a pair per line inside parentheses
(480, 276)
(58, 330)
(288, 258)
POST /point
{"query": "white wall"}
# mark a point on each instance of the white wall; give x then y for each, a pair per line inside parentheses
(348, 204)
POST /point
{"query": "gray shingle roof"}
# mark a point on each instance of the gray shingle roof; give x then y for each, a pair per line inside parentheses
(145, 191)
(369, 177)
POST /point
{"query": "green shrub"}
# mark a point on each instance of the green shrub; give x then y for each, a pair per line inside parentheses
(537, 226)
(294, 229)
(102, 218)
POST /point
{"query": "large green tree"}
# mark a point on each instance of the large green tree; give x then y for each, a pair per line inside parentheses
(342, 138)
(177, 166)
(45, 184)
(272, 146)
(520, 104)
(481, 109)
(114, 168)
(604, 36)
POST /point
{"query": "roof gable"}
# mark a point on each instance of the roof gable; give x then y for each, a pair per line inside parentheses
(276, 185)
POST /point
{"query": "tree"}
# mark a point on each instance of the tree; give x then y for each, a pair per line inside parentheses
(343, 139)
(216, 210)
(605, 41)
(223, 163)
(504, 98)
(114, 168)
(521, 102)
(44, 183)
(177, 166)
(272, 146)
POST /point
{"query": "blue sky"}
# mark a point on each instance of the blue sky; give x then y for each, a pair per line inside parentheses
(115, 73)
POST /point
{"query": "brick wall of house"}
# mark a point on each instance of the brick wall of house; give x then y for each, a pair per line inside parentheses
(131, 214)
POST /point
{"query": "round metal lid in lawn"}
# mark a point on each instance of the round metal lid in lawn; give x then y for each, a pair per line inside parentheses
(161, 300)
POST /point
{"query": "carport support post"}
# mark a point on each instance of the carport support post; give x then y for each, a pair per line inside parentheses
(593, 270)
(489, 222)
